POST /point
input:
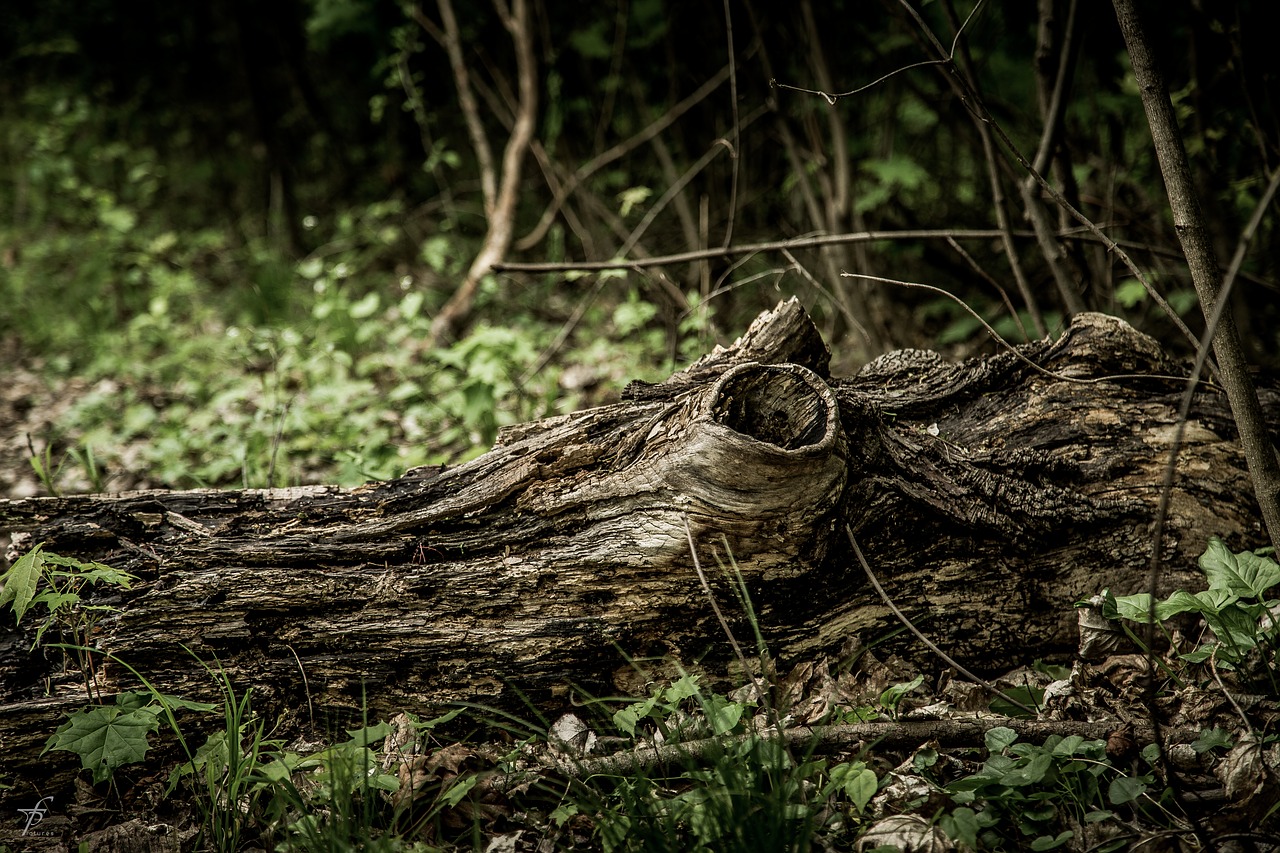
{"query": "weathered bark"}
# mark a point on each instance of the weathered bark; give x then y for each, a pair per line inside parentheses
(988, 495)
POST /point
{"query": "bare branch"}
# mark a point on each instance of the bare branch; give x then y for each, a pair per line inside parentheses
(604, 158)
(452, 42)
(964, 89)
(825, 740)
(750, 248)
(501, 212)
(971, 100)
(734, 146)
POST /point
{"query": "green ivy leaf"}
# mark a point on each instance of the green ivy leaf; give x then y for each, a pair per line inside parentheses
(683, 689)
(459, 790)
(1180, 602)
(1135, 608)
(1212, 739)
(859, 785)
(1049, 842)
(563, 812)
(722, 714)
(1031, 773)
(1125, 789)
(1028, 696)
(105, 738)
(999, 739)
(891, 697)
(1068, 746)
(1245, 574)
(626, 719)
(55, 601)
(369, 735)
(428, 725)
(962, 825)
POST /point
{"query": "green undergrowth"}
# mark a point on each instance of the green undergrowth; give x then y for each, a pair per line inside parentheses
(197, 350)
(183, 381)
(1241, 630)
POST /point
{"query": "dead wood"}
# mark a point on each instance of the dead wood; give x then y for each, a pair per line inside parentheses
(566, 760)
(988, 496)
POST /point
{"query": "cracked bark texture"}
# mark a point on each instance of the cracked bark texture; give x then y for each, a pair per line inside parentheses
(988, 496)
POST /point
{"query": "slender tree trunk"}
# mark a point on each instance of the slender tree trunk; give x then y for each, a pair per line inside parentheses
(1193, 232)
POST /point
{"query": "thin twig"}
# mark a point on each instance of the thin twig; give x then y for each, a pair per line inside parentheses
(604, 158)
(1213, 668)
(963, 81)
(500, 208)
(971, 101)
(841, 305)
(615, 70)
(832, 97)
(563, 335)
(989, 279)
(706, 587)
(678, 186)
(1246, 236)
(734, 142)
(896, 734)
(1056, 108)
(1062, 377)
(893, 608)
(466, 99)
(751, 248)
(306, 687)
(1184, 411)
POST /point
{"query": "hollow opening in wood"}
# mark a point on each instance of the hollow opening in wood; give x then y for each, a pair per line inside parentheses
(777, 405)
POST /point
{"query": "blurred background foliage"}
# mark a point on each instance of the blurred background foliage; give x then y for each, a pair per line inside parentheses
(225, 227)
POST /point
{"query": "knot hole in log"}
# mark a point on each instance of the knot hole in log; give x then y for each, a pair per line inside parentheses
(778, 405)
(764, 464)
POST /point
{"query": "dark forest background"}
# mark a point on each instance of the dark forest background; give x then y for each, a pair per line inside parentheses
(233, 227)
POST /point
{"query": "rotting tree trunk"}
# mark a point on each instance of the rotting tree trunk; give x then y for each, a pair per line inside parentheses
(988, 495)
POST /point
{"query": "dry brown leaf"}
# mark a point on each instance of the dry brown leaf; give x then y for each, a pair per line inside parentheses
(906, 833)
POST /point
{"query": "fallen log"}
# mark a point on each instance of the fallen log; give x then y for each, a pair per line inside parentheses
(989, 495)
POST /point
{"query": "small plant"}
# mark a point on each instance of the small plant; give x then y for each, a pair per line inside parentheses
(1042, 797)
(734, 788)
(107, 737)
(1240, 619)
(330, 800)
(42, 463)
(246, 785)
(226, 772)
(891, 698)
(59, 584)
(741, 786)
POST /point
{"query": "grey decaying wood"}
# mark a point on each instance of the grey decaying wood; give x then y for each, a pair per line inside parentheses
(988, 496)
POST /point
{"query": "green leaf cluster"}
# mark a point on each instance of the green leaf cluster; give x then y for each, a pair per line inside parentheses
(1235, 607)
(743, 791)
(58, 584)
(1024, 795)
